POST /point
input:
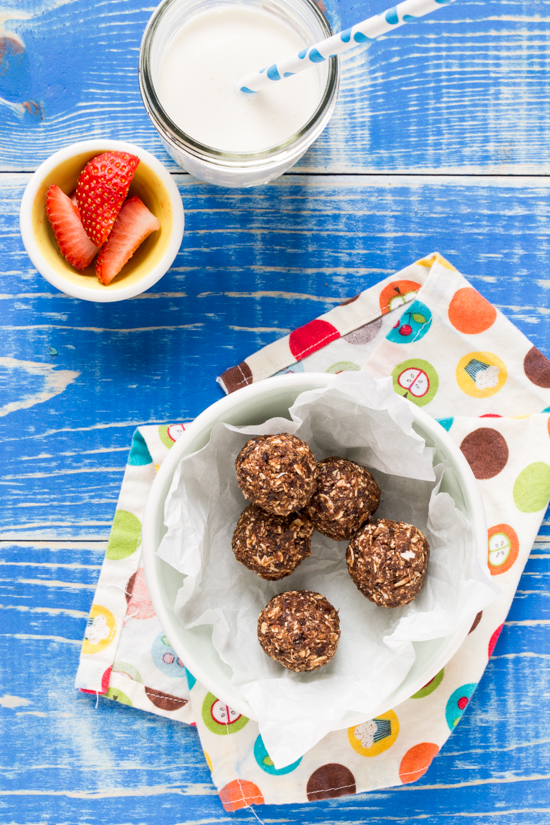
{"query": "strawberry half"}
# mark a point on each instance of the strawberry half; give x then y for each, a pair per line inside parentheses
(100, 192)
(133, 224)
(69, 233)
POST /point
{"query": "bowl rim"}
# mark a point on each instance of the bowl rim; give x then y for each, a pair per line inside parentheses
(155, 506)
(98, 145)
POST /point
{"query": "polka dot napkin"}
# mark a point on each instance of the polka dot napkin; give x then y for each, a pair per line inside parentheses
(448, 350)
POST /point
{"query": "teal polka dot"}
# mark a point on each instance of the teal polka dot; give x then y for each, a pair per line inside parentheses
(457, 704)
(191, 681)
(139, 452)
(266, 763)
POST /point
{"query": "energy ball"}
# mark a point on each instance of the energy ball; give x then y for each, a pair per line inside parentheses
(277, 472)
(272, 546)
(388, 561)
(300, 629)
(346, 496)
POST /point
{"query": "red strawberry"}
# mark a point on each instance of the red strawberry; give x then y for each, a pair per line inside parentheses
(133, 224)
(69, 233)
(100, 192)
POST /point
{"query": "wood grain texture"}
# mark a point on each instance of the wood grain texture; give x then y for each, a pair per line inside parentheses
(65, 761)
(463, 91)
(252, 266)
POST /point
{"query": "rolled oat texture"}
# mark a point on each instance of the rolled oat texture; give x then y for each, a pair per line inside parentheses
(346, 496)
(271, 546)
(277, 472)
(388, 562)
(300, 629)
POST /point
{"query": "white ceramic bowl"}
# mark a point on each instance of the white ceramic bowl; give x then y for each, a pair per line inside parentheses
(152, 183)
(254, 405)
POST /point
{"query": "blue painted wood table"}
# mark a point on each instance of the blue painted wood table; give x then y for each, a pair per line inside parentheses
(439, 141)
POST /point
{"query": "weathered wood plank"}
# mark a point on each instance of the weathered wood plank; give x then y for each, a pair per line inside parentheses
(63, 760)
(251, 267)
(463, 91)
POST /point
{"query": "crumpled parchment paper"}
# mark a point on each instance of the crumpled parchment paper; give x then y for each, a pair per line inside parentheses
(362, 419)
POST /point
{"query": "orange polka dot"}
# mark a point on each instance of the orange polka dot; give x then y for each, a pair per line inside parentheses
(397, 294)
(240, 793)
(416, 761)
(470, 313)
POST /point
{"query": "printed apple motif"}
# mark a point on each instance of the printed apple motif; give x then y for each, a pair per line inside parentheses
(416, 380)
(219, 718)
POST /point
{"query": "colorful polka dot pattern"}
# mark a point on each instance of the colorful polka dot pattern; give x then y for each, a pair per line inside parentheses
(489, 388)
(123, 656)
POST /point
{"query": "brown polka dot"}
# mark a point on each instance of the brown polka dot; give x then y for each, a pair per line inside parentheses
(164, 701)
(364, 334)
(476, 622)
(237, 377)
(130, 586)
(537, 368)
(330, 781)
(486, 452)
(350, 300)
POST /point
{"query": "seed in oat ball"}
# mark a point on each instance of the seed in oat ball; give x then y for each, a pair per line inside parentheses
(277, 472)
(271, 546)
(300, 629)
(388, 561)
(346, 496)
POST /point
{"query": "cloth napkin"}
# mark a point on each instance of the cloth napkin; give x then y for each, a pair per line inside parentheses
(447, 349)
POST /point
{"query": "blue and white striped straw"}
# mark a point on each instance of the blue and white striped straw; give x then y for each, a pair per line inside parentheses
(382, 23)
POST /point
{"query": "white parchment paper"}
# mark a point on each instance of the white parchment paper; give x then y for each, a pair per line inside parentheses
(360, 418)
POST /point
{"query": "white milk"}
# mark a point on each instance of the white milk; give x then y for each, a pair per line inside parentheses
(199, 69)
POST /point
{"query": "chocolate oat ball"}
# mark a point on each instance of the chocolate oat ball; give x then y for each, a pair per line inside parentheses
(388, 561)
(277, 472)
(346, 496)
(272, 546)
(300, 629)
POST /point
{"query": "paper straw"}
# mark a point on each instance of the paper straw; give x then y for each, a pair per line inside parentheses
(387, 21)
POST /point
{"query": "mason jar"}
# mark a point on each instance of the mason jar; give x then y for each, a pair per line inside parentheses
(229, 168)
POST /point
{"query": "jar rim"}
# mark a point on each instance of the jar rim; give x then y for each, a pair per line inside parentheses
(183, 142)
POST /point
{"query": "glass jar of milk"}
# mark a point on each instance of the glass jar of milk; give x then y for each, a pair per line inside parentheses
(192, 55)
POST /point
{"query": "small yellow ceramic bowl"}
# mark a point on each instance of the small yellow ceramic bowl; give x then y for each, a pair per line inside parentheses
(152, 183)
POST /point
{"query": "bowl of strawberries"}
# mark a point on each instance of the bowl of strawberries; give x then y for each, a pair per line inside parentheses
(102, 220)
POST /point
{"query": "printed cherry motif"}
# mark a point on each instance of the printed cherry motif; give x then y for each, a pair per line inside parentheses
(406, 328)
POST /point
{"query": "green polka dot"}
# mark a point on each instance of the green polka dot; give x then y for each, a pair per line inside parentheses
(164, 437)
(343, 366)
(125, 536)
(139, 452)
(532, 488)
(430, 686)
(127, 670)
(416, 380)
(219, 718)
(118, 696)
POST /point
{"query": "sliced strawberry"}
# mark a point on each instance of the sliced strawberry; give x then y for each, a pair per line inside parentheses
(100, 192)
(133, 224)
(69, 233)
